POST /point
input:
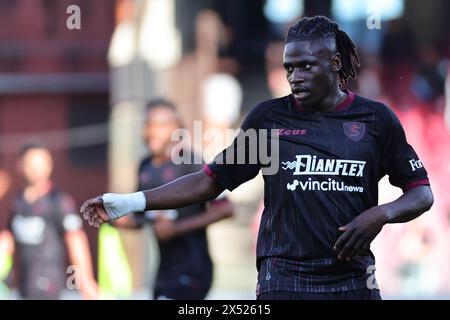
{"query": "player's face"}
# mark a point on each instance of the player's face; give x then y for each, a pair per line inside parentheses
(311, 69)
(37, 165)
(161, 122)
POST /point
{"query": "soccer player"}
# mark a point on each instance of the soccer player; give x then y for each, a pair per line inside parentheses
(44, 218)
(321, 211)
(185, 270)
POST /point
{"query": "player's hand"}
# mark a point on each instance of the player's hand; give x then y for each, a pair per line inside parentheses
(360, 232)
(165, 229)
(94, 212)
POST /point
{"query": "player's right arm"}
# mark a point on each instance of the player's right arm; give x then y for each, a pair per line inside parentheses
(187, 190)
(193, 188)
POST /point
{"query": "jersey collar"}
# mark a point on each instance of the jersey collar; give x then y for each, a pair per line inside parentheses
(342, 106)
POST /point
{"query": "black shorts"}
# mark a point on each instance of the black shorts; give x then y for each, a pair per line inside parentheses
(361, 294)
(183, 287)
(182, 292)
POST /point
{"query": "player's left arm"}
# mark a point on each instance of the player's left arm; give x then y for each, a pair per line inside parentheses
(79, 255)
(360, 232)
(78, 247)
(410, 205)
(166, 229)
(398, 160)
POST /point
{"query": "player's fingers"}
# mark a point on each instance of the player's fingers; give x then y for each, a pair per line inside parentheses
(98, 222)
(85, 206)
(90, 203)
(342, 240)
(354, 250)
(89, 212)
(93, 218)
(364, 248)
(347, 246)
(102, 213)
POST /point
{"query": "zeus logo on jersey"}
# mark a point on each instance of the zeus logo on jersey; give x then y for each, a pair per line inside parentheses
(415, 164)
(311, 165)
(288, 132)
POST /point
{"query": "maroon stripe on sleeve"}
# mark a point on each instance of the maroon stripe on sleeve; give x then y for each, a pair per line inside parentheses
(209, 172)
(413, 184)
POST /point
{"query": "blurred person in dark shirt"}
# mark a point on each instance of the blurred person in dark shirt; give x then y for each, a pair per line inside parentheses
(185, 270)
(428, 84)
(43, 219)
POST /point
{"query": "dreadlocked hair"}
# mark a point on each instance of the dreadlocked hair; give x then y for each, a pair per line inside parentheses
(313, 28)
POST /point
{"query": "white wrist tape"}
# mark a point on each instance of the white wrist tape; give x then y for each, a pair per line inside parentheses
(119, 205)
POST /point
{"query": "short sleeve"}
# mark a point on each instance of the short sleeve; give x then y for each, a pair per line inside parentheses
(142, 218)
(398, 158)
(239, 162)
(70, 219)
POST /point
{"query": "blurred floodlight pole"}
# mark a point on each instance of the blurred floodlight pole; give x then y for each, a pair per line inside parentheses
(144, 43)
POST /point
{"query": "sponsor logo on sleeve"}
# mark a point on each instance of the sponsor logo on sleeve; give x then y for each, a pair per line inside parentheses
(415, 164)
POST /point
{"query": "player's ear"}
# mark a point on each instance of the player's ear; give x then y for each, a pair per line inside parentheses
(336, 62)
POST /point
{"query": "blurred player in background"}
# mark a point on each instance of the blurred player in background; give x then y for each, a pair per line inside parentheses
(321, 209)
(43, 221)
(185, 270)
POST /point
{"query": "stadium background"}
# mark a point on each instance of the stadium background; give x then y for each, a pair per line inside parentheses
(83, 93)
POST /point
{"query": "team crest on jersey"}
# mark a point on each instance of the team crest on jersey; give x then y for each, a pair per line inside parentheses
(354, 130)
